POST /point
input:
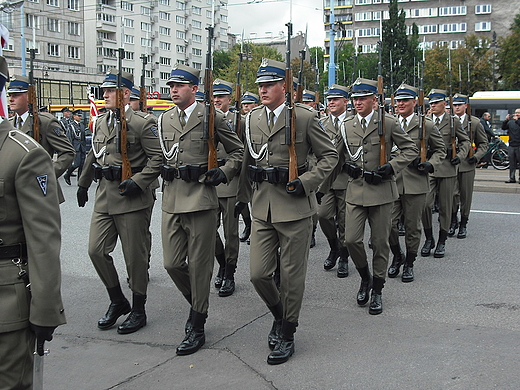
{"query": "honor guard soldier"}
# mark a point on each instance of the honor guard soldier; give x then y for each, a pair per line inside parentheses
(30, 241)
(199, 95)
(226, 252)
(77, 137)
(282, 210)
(413, 181)
(190, 203)
(444, 178)
(249, 101)
(135, 96)
(66, 119)
(466, 174)
(309, 98)
(371, 189)
(122, 208)
(331, 211)
(53, 137)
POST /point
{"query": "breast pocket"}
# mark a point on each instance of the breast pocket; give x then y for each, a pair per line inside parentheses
(169, 139)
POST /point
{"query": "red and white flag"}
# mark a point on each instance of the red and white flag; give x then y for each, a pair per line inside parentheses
(93, 110)
(4, 40)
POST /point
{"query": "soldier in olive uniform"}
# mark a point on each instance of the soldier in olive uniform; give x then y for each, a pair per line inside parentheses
(123, 208)
(190, 203)
(466, 174)
(281, 209)
(53, 136)
(30, 242)
(371, 189)
(412, 182)
(445, 176)
(331, 211)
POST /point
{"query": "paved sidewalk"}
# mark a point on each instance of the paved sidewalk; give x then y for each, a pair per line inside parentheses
(494, 180)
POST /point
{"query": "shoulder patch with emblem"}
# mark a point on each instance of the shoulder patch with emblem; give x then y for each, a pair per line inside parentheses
(42, 182)
(154, 131)
(57, 130)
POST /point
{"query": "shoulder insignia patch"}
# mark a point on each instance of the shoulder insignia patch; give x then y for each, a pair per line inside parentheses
(321, 125)
(42, 182)
(57, 130)
(154, 130)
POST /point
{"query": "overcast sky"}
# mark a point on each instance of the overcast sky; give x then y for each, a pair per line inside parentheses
(261, 16)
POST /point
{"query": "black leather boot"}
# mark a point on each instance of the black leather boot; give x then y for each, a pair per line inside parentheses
(195, 338)
(454, 225)
(400, 227)
(276, 329)
(407, 275)
(342, 271)
(119, 306)
(441, 245)
(462, 229)
(429, 244)
(366, 285)
(67, 174)
(376, 301)
(330, 262)
(313, 237)
(221, 260)
(137, 318)
(228, 284)
(397, 261)
(247, 230)
(284, 348)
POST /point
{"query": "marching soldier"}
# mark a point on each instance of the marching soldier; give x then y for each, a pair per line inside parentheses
(190, 203)
(281, 210)
(371, 189)
(53, 137)
(66, 119)
(466, 174)
(412, 182)
(77, 137)
(123, 208)
(30, 242)
(309, 98)
(444, 178)
(332, 206)
(135, 97)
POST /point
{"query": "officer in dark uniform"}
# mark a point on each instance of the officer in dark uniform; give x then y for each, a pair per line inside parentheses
(281, 210)
(77, 137)
(190, 203)
(30, 242)
(123, 208)
(53, 136)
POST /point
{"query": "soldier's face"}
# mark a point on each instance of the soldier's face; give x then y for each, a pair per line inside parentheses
(405, 107)
(364, 105)
(110, 96)
(19, 102)
(66, 114)
(460, 109)
(222, 102)
(246, 107)
(487, 116)
(134, 104)
(272, 94)
(438, 108)
(337, 105)
(183, 94)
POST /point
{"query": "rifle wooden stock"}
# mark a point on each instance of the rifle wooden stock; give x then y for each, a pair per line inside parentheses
(290, 122)
(471, 135)
(142, 98)
(209, 112)
(33, 111)
(381, 127)
(422, 126)
(126, 168)
(452, 130)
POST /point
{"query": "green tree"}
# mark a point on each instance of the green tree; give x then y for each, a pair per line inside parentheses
(509, 57)
(221, 60)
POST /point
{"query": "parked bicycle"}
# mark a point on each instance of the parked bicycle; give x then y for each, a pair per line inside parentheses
(498, 154)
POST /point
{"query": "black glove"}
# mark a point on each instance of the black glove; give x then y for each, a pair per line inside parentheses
(43, 333)
(425, 167)
(215, 176)
(82, 196)
(385, 170)
(319, 196)
(129, 187)
(352, 169)
(295, 187)
(372, 177)
(472, 160)
(455, 160)
(239, 206)
(415, 163)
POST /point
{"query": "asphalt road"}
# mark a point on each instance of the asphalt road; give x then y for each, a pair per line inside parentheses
(457, 326)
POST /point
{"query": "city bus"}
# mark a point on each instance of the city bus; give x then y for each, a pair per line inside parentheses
(498, 104)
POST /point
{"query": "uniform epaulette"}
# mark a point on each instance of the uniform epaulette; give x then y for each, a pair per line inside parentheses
(427, 119)
(350, 118)
(257, 108)
(308, 108)
(26, 142)
(141, 114)
(169, 109)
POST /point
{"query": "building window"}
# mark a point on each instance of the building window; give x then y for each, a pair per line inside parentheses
(129, 38)
(426, 29)
(361, 2)
(73, 28)
(53, 49)
(362, 16)
(53, 3)
(74, 52)
(164, 2)
(106, 18)
(128, 70)
(53, 25)
(165, 16)
(32, 21)
(196, 10)
(223, 18)
(197, 52)
(180, 19)
(165, 45)
(196, 24)
(164, 75)
(146, 11)
(129, 55)
(127, 6)
(452, 11)
(483, 9)
(180, 5)
(146, 42)
(165, 61)
(7, 20)
(452, 28)
(483, 26)
(196, 38)
(165, 30)
(224, 45)
(345, 33)
(197, 65)
(208, 14)
(181, 34)
(421, 13)
(146, 26)
(181, 49)
(128, 23)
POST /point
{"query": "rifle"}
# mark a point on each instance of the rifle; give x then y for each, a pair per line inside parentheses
(381, 126)
(238, 95)
(209, 112)
(290, 122)
(31, 95)
(317, 84)
(452, 118)
(392, 96)
(121, 132)
(471, 136)
(142, 89)
(421, 112)
(299, 88)
(38, 370)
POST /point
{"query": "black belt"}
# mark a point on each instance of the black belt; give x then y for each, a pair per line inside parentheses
(111, 172)
(273, 175)
(17, 251)
(189, 172)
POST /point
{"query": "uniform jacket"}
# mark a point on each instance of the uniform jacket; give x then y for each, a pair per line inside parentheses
(180, 196)
(144, 152)
(53, 138)
(479, 138)
(410, 180)
(271, 202)
(29, 213)
(342, 180)
(446, 169)
(76, 136)
(359, 192)
(487, 128)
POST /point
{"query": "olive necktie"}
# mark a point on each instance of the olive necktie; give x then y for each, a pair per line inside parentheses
(270, 122)
(20, 122)
(404, 123)
(182, 118)
(363, 123)
(437, 121)
(336, 124)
